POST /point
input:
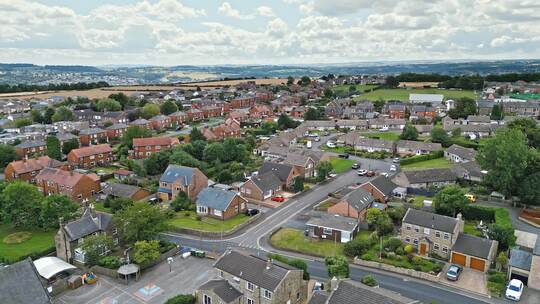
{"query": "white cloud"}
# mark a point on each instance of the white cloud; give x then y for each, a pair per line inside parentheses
(227, 10)
(265, 11)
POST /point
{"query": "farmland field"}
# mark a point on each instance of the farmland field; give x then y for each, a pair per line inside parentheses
(359, 88)
(403, 94)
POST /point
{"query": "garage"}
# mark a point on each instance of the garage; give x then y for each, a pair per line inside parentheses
(522, 278)
(478, 264)
(458, 258)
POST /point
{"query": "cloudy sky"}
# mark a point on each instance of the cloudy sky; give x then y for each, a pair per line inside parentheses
(172, 32)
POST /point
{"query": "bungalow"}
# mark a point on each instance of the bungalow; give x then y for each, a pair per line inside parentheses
(410, 147)
(180, 178)
(425, 178)
(219, 203)
(392, 124)
(73, 184)
(334, 228)
(93, 136)
(320, 125)
(381, 188)
(354, 204)
(478, 120)
(141, 123)
(144, 147)
(31, 149)
(285, 172)
(27, 169)
(459, 154)
(469, 171)
(374, 145)
(354, 124)
(424, 130)
(90, 157)
(262, 186)
(161, 122)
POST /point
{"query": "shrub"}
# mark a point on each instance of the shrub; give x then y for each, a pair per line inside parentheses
(477, 213)
(165, 246)
(357, 247)
(198, 218)
(408, 249)
(369, 280)
(417, 267)
(338, 266)
(392, 244)
(400, 251)
(181, 299)
(296, 263)
(437, 267)
(146, 251)
(417, 260)
(368, 256)
(421, 158)
(110, 262)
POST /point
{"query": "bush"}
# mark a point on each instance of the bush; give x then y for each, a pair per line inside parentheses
(368, 256)
(408, 249)
(165, 246)
(357, 247)
(400, 251)
(417, 260)
(337, 266)
(437, 267)
(296, 263)
(421, 158)
(392, 244)
(502, 218)
(479, 213)
(369, 280)
(181, 299)
(110, 262)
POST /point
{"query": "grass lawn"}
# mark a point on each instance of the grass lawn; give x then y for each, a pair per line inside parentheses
(392, 136)
(428, 164)
(99, 207)
(326, 204)
(106, 170)
(341, 165)
(419, 200)
(336, 149)
(294, 239)
(360, 88)
(403, 94)
(205, 224)
(39, 241)
(470, 228)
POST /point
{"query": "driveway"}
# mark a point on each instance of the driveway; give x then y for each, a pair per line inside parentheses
(156, 285)
(530, 296)
(470, 280)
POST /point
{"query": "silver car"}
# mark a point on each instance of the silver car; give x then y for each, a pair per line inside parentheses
(453, 272)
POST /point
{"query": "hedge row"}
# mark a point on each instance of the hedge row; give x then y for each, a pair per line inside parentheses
(500, 216)
(421, 158)
(33, 255)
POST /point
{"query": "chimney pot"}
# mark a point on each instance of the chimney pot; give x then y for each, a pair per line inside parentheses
(269, 264)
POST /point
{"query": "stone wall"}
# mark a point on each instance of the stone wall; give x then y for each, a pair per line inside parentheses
(409, 272)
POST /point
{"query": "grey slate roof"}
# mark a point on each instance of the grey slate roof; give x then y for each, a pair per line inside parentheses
(88, 224)
(66, 136)
(478, 118)
(91, 131)
(20, 283)
(472, 168)
(430, 220)
(253, 269)
(464, 153)
(473, 245)
(359, 199)
(429, 175)
(418, 145)
(30, 144)
(121, 190)
(520, 259)
(536, 249)
(351, 292)
(318, 297)
(174, 173)
(333, 222)
(383, 184)
(267, 181)
(223, 289)
(215, 198)
(282, 171)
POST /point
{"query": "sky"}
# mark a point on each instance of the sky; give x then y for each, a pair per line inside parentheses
(216, 32)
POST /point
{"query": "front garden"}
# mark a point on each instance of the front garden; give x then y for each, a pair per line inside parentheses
(341, 165)
(295, 240)
(190, 220)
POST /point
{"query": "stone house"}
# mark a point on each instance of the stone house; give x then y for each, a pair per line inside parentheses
(180, 178)
(474, 252)
(73, 184)
(219, 291)
(353, 292)
(27, 169)
(220, 203)
(90, 157)
(261, 187)
(70, 236)
(259, 281)
(469, 171)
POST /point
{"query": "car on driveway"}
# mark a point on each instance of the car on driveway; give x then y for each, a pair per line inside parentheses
(252, 212)
(279, 199)
(370, 173)
(393, 168)
(395, 160)
(385, 174)
(355, 166)
(514, 290)
(362, 172)
(453, 272)
(345, 156)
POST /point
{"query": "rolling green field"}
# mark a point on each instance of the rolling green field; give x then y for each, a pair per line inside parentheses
(39, 241)
(403, 94)
(359, 88)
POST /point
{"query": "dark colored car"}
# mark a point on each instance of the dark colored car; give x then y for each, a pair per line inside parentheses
(453, 272)
(346, 156)
(370, 173)
(252, 212)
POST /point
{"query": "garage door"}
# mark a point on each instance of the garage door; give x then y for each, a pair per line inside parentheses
(478, 264)
(522, 278)
(458, 258)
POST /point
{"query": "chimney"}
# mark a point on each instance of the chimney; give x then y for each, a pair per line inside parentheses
(268, 264)
(334, 284)
(459, 216)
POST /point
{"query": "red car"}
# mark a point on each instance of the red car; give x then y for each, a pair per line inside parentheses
(370, 173)
(279, 199)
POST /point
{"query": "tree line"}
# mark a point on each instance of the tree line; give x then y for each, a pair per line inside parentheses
(21, 87)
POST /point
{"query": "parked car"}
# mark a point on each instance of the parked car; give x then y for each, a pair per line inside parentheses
(383, 129)
(362, 172)
(252, 212)
(514, 290)
(395, 160)
(453, 272)
(330, 144)
(370, 173)
(278, 199)
(385, 174)
(317, 138)
(332, 175)
(355, 166)
(393, 168)
(471, 198)
(345, 156)
(154, 200)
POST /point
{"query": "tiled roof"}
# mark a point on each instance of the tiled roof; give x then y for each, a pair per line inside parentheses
(351, 292)
(359, 199)
(61, 177)
(121, 190)
(223, 289)
(430, 220)
(139, 122)
(91, 131)
(383, 184)
(90, 222)
(333, 222)
(464, 153)
(520, 259)
(429, 175)
(473, 245)
(31, 144)
(215, 198)
(267, 181)
(418, 145)
(91, 150)
(21, 283)
(174, 173)
(282, 171)
(35, 164)
(155, 141)
(117, 126)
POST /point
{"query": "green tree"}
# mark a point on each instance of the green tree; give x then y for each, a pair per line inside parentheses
(328, 93)
(298, 185)
(505, 156)
(456, 132)
(118, 203)
(195, 148)
(337, 266)
(439, 135)
(146, 251)
(502, 260)
(285, 122)
(304, 81)
(36, 116)
(504, 235)
(529, 127)
(182, 202)
(378, 105)
(392, 82)
(53, 147)
(48, 116)
(157, 163)
(22, 122)
(168, 107)
(352, 88)
(290, 80)
(196, 134)
(463, 107)
(54, 207)
(379, 220)
(70, 145)
(312, 114)
(182, 299)
(450, 200)
(108, 104)
(122, 98)
(7, 155)
(20, 203)
(95, 246)
(134, 132)
(323, 168)
(497, 112)
(150, 110)
(63, 114)
(141, 221)
(409, 132)
(182, 158)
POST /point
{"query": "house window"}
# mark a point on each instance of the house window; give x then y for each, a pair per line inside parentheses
(408, 239)
(115, 231)
(327, 231)
(115, 242)
(438, 234)
(446, 236)
(218, 212)
(207, 300)
(416, 228)
(415, 241)
(445, 249)
(436, 247)
(250, 286)
(426, 231)
(202, 209)
(249, 301)
(267, 294)
(408, 227)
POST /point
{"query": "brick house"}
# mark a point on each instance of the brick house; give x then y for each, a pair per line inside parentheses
(93, 136)
(242, 102)
(261, 187)
(70, 236)
(381, 188)
(334, 228)
(141, 123)
(421, 111)
(304, 164)
(90, 157)
(211, 111)
(220, 203)
(230, 128)
(31, 149)
(396, 111)
(181, 178)
(353, 205)
(195, 114)
(144, 147)
(116, 130)
(260, 111)
(285, 172)
(259, 281)
(27, 169)
(73, 184)
(161, 122)
(425, 178)
(118, 190)
(178, 117)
